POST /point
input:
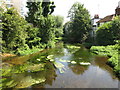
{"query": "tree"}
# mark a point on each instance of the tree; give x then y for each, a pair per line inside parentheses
(13, 31)
(38, 9)
(67, 31)
(47, 31)
(35, 11)
(108, 32)
(58, 26)
(80, 23)
(48, 8)
(40, 16)
(33, 40)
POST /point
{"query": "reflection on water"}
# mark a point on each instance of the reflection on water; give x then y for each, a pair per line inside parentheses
(78, 69)
(36, 71)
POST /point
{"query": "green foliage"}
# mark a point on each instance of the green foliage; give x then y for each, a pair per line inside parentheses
(38, 9)
(33, 39)
(1, 12)
(48, 8)
(48, 28)
(29, 51)
(58, 26)
(110, 51)
(47, 31)
(108, 32)
(13, 31)
(35, 11)
(72, 46)
(18, 36)
(79, 24)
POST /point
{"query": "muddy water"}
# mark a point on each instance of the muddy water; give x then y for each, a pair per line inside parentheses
(95, 75)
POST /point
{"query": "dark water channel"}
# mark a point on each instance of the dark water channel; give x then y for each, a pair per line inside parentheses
(75, 75)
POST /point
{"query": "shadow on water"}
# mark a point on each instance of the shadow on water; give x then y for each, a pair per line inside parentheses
(81, 70)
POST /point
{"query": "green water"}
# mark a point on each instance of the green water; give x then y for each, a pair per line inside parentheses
(62, 67)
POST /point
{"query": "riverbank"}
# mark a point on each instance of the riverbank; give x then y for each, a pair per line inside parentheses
(7, 55)
(112, 52)
(30, 51)
(21, 53)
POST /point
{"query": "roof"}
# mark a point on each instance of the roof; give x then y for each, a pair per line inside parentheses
(106, 19)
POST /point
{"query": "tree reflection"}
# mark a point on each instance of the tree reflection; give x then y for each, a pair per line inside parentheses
(81, 55)
(78, 69)
(101, 62)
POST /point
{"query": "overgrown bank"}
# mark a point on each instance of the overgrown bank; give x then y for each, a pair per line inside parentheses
(39, 30)
(112, 51)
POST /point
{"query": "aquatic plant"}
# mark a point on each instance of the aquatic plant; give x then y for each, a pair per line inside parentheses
(112, 52)
(84, 63)
(59, 66)
(73, 62)
(50, 57)
(61, 60)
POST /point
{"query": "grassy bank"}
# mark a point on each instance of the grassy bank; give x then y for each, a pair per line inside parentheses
(30, 51)
(112, 52)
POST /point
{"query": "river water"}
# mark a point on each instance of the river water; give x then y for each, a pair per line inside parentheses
(97, 74)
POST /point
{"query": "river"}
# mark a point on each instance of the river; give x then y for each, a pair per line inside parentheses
(79, 69)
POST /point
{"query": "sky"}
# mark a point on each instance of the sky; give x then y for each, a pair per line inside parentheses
(101, 7)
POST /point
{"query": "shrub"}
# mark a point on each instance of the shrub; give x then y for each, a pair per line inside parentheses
(108, 32)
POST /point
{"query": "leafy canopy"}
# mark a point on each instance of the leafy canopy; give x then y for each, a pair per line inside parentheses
(108, 32)
(80, 23)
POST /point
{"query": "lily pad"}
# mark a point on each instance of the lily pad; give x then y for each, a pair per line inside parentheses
(73, 62)
(61, 70)
(64, 60)
(84, 63)
(59, 66)
(38, 60)
(50, 57)
(52, 60)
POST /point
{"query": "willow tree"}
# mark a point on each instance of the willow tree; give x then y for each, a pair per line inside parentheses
(80, 23)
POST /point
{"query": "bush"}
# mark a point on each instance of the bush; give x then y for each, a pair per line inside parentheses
(108, 32)
(13, 31)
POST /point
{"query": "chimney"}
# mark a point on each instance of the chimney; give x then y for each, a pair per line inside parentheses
(117, 10)
(96, 16)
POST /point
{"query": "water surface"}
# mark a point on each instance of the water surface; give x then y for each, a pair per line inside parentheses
(75, 75)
